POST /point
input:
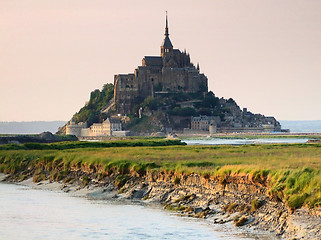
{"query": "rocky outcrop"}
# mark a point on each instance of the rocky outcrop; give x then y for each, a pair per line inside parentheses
(45, 137)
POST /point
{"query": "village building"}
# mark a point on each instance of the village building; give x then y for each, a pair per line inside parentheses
(110, 127)
(203, 122)
(212, 124)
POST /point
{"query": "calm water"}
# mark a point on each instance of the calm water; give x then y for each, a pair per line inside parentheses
(36, 214)
(220, 141)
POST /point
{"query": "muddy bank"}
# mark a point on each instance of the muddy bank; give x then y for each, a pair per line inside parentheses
(235, 199)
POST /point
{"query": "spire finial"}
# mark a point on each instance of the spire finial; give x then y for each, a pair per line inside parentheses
(166, 28)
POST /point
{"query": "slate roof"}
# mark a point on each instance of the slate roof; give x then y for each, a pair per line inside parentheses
(153, 61)
(167, 42)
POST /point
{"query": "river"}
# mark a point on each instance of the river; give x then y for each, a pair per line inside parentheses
(27, 213)
(222, 141)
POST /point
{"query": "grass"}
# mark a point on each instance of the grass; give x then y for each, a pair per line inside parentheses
(292, 172)
(77, 144)
(121, 180)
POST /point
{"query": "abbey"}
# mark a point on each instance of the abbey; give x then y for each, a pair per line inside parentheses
(167, 93)
(170, 72)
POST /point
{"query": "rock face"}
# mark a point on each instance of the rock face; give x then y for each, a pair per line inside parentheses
(235, 199)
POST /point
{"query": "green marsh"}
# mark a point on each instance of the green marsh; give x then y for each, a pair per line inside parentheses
(292, 172)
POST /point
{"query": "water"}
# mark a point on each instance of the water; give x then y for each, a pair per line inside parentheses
(302, 126)
(26, 213)
(221, 141)
(33, 127)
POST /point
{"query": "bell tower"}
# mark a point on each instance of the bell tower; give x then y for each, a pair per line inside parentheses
(167, 46)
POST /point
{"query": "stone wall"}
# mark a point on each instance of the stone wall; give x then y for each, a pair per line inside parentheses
(175, 73)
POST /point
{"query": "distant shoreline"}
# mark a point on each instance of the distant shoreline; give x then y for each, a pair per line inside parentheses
(30, 127)
(36, 127)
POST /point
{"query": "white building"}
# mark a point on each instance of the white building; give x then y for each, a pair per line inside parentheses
(105, 128)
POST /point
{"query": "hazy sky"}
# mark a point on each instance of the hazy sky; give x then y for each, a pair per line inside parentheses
(265, 54)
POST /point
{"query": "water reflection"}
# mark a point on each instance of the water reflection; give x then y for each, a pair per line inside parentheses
(221, 141)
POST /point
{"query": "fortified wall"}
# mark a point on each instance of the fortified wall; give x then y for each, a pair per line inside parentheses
(110, 127)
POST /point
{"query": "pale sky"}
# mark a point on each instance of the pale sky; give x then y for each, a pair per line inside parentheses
(265, 54)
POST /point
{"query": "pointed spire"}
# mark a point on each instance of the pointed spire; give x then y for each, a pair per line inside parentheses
(166, 28)
(167, 46)
(198, 67)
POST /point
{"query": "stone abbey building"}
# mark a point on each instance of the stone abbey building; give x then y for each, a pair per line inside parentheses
(162, 77)
(172, 71)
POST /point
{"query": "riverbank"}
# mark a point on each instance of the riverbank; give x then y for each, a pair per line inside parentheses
(264, 187)
(197, 197)
(83, 218)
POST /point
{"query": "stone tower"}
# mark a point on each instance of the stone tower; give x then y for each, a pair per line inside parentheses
(167, 46)
(170, 73)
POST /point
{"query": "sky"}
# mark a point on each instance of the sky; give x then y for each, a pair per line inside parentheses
(265, 54)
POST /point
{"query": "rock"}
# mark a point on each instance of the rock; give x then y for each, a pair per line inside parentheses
(240, 220)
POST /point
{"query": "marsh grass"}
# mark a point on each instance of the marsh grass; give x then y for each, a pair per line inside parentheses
(121, 180)
(77, 144)
(292, 172)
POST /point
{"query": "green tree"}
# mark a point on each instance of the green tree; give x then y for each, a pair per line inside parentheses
(91, 112)
(151, 103)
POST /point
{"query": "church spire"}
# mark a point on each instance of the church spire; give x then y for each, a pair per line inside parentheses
(166, 28)
(167, 45)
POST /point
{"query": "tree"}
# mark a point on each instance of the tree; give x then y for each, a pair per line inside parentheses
(91, 112)
(151, 103)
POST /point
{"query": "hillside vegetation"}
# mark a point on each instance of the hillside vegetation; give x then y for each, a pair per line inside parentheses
(161, 109)
(292, 172)
(91, 112)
